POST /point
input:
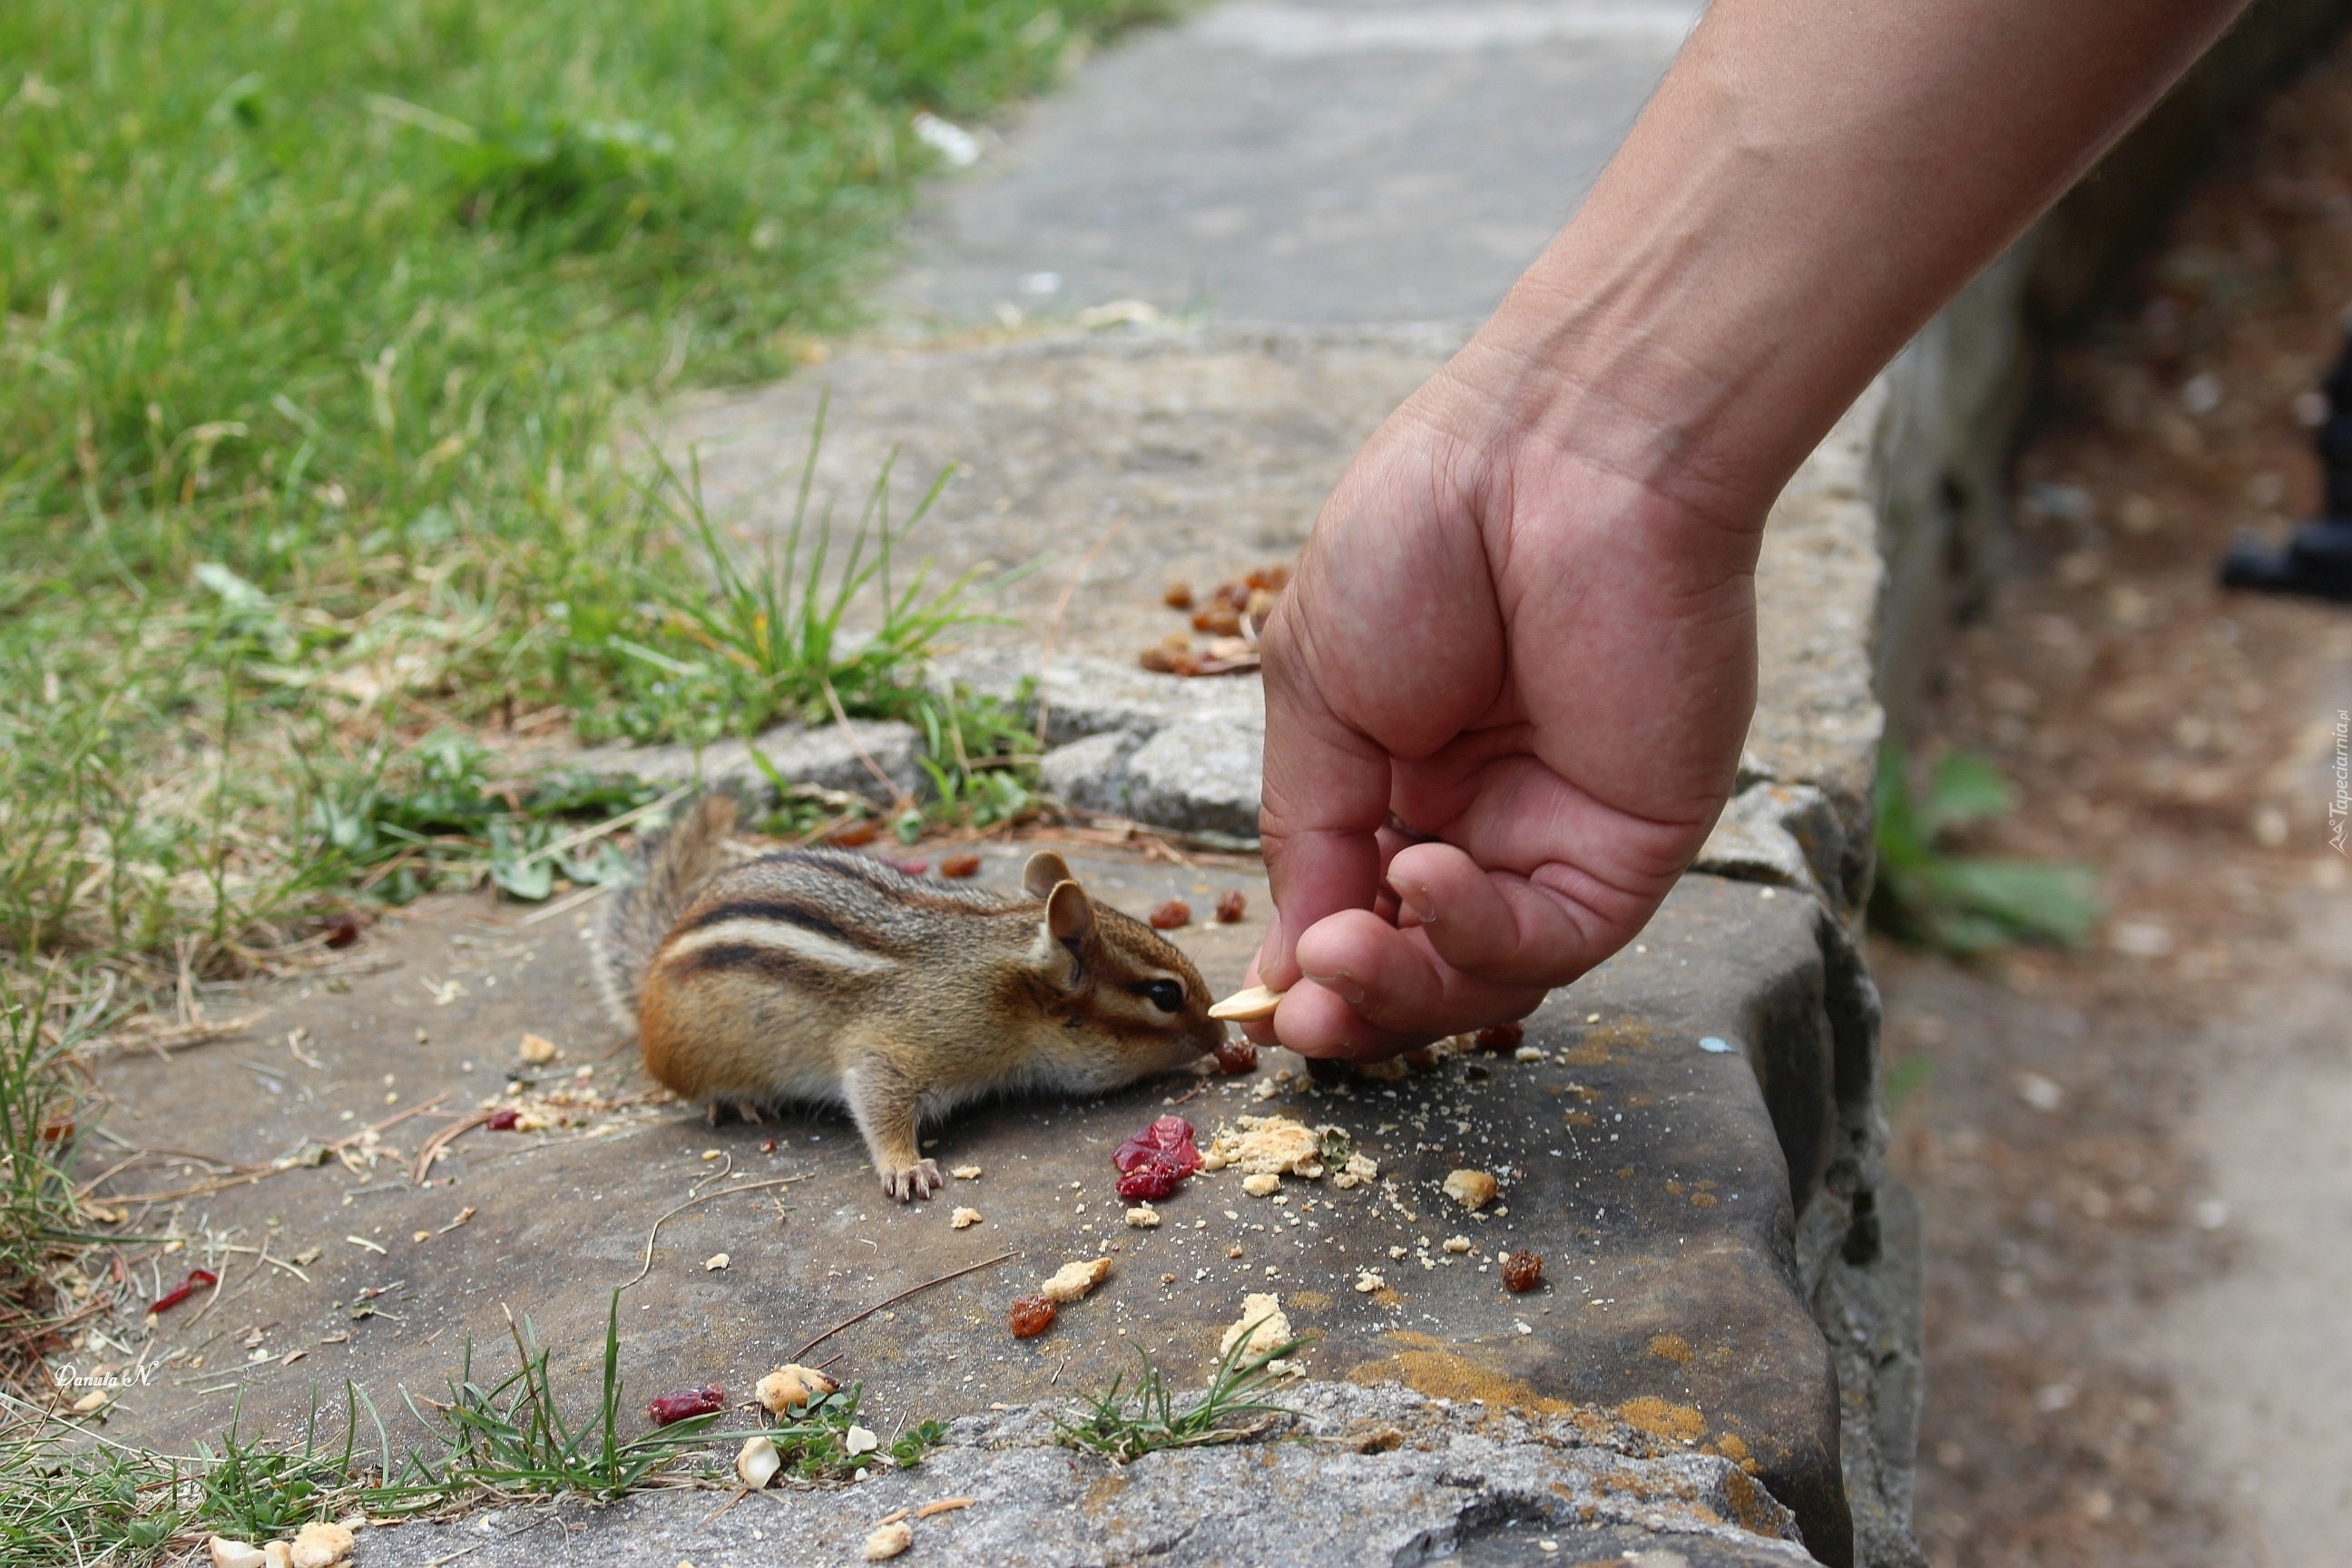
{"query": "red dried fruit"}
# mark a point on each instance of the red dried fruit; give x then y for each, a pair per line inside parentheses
(1031, 1316)
(962, 863)
(197, 1279)
(343, 930)
(1230, 905)
(852, 835)
(1523, 1270)
(1178, 597)
(1154, 1162)
(1237, 1056)
(1218, 620)
(1169, 916)
(503, 1119)
(1501, 1036)
(910, 868)
(767, 1145)
(686, 1404)
(1273, 579)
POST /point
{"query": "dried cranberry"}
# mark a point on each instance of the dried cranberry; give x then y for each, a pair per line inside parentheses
(853, 834)
(910, 868)
(686, 1404)
(1178, 596)
(1218, 621)
(197, 1279)
(343, 930)
(1236, 1055)
(1155, 1160)
(1169, 916)
(1523, 1270)
(503, 1119)
(1031, 1316)
(767, 1145)
(962, 863)
(1230, 905)
(1272, 578)
(1501, 1036)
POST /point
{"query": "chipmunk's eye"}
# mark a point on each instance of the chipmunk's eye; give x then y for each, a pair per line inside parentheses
(1166, 995)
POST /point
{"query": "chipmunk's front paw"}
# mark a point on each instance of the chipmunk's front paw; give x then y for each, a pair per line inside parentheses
(920, 1180)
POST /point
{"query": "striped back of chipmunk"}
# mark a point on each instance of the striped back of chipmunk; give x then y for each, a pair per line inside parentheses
(819, 921)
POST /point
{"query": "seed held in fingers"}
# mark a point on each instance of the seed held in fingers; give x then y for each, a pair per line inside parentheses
(1252, 1004)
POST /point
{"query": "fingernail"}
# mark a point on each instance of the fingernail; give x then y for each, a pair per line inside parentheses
(1344, 986)
(1416, 897)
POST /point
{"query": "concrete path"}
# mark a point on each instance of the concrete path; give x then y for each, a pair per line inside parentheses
(1302, 163)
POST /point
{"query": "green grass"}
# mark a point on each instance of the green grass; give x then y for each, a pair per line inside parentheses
(1123, 1425)
(513, 1440)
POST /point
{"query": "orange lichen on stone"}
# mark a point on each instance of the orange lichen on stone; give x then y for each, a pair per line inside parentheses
(1431, 1366)
(1730, 1446)
(1593, 1050)
(1307, 1301)
(1673, 1348)
(1752, 1508)
(1702, 1200)
(1677, 1188)
(1652, 1414)
(1640, 1101)
(1578, 1119)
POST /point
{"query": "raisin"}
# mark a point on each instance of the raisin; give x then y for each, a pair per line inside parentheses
(1236, 1055)
(1218, 620)
(1523, 1270)
(1273, 579)
(1171, 658)
(1155, 1160)
(503, 1119)
(1501, 1036)
(962, 863)
(686, 1404)
(1178, 597)
(1231, 904)
(852, 835)
(343, 930)
(910, 868)
(1169, 916)
(1031, 1316)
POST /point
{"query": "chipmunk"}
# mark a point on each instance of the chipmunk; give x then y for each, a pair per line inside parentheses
(819, 975)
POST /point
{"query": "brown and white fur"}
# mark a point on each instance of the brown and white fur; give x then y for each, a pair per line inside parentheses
(821, 976)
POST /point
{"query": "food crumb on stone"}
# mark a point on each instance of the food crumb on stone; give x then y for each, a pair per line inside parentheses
(963, 1219)
(1473, 1190)
(1075, 1279)
(966, 1173)
(1143, 1216)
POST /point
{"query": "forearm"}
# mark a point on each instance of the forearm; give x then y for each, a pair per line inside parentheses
(1812, 179)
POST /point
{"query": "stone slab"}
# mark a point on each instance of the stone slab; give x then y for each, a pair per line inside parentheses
(1460, 1480)
(1652, 1172)
(1117, 462)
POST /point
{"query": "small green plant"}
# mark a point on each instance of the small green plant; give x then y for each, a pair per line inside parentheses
(251, 1491)
(1928, 893)
(41, 1034)
(813, 1444)
(772, 639)
(1123, 1426)
(513, 1438)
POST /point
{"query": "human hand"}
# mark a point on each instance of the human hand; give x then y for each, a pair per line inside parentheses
(1506, 697)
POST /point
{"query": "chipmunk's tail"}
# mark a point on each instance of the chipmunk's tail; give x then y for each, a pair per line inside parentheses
(640, 915)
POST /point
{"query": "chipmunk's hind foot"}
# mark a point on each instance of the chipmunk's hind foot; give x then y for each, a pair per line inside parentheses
(722, 1112)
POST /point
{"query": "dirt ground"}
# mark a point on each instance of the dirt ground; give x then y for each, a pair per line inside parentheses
(2130, 1169)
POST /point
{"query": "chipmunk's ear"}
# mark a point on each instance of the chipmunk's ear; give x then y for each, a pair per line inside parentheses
(1070, 926)
(1044, 872)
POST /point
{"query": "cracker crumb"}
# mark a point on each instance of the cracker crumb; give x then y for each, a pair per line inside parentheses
(1266, 1329)
(963, 1219)
(1473, 1190)
(1143, 1216)
(1366, 1282)
(1261, 1185)
(966, 1173)
(1074, 1279)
